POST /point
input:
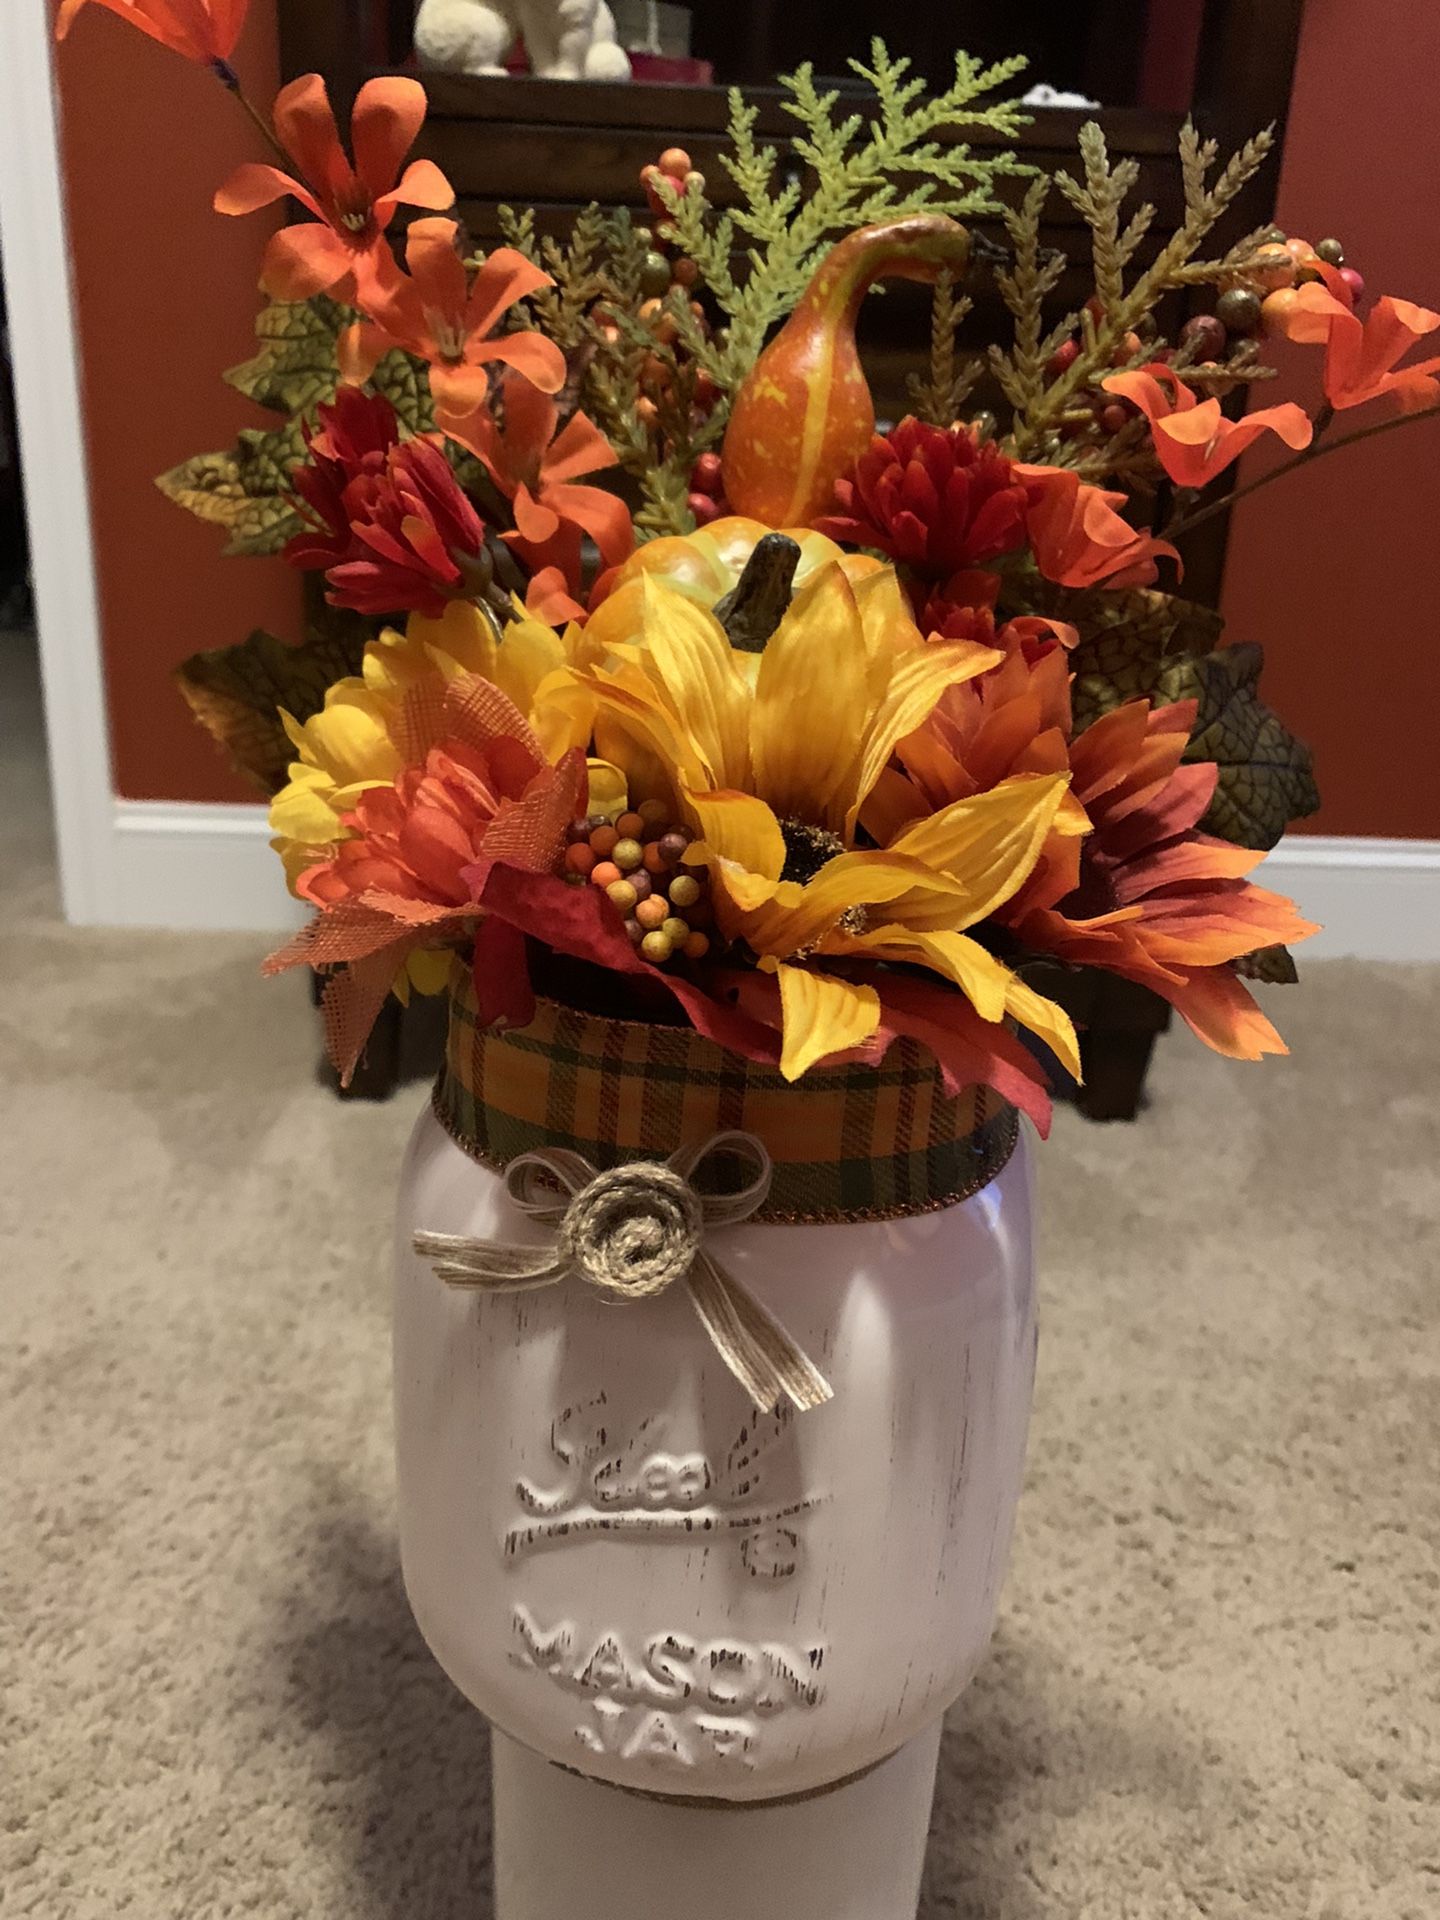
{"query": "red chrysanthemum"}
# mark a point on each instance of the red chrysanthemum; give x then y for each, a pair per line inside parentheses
(391, 526)
(936, 499)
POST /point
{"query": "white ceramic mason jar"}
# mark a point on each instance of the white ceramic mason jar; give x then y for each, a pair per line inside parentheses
(715, 1644)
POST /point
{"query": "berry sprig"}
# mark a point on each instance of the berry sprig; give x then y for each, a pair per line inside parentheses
(636, 858)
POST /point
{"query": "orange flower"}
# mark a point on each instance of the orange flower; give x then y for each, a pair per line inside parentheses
(1192, 438)
(1147, 896)
(437, 314)
(1014, 719)
(352, 205)
(203, 30)
(535, 468)
(1361, 356)
(476, 787)
(1078, 538)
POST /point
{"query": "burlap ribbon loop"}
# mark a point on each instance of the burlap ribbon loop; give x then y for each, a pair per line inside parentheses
(630, 1233)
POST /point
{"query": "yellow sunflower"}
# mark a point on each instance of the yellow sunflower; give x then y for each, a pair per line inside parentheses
(771, 761)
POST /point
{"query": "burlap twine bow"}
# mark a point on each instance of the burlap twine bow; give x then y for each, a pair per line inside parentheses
(631, 1233)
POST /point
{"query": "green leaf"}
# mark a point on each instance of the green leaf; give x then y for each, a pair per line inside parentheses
(406, 385)
(1266, 775)
(295, 367)
(236, 692)
(244, 488)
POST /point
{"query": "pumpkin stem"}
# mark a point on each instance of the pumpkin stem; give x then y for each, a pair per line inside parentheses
(756, 604)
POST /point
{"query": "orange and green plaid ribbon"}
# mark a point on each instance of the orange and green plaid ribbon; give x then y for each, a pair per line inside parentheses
(848, 1143)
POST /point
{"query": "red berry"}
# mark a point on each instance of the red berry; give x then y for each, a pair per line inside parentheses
(1204, 335)
(705, 475)
(1063, 358)
(1114, 417)
(703, 508)
(1354, 281)
(676, 162)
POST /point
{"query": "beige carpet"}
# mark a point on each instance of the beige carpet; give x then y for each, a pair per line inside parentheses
(1214, 1689)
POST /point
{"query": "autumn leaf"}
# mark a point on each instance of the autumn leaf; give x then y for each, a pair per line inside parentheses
(1274, 966)
(1266, 775)
(236, 692)
(1151, 645)
(245, 488)
(1133, 645)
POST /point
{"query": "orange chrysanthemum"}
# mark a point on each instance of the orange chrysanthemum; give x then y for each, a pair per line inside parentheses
(476, 787)
(1147, 896)
(202, 30)
(352, 205)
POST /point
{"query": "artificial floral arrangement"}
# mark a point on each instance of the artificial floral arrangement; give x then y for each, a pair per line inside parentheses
(668, 682)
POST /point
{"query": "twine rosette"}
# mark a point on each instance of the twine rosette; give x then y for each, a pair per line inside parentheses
(635, 1141)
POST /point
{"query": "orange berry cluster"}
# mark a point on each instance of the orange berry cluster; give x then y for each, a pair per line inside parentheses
(662, 271)
(636, 859)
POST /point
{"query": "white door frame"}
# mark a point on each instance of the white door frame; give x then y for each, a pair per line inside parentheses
(122, 862)
(38, 295)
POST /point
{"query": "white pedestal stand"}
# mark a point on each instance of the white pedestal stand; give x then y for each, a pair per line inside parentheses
(565, 1846)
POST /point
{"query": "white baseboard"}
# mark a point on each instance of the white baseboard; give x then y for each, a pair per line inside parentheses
(189, 865)
(1375, 899)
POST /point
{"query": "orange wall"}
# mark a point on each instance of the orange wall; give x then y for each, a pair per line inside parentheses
(165, 293)
(1337, 570)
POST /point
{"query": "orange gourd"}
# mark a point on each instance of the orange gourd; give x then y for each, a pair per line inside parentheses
(803, 414)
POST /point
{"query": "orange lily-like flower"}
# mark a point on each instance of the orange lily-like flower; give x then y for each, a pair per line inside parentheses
(437, 313)
(352, 205)
(1361, 355)
(1078, 538)
(773, 762)
(1193, 440)
(202, 30)
(1147, 896)
(536, 469)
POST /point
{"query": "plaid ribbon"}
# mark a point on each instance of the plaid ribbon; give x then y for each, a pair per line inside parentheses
(848, 1143)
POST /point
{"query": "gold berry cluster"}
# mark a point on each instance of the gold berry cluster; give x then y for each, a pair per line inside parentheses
(637, 858)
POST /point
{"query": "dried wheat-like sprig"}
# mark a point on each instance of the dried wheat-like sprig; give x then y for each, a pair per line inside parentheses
(939, 397)
(1041, 405)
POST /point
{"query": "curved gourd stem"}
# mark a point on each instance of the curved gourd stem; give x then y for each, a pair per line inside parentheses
(804, 414)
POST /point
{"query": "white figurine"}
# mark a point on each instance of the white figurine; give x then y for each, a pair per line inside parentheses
(564, 39)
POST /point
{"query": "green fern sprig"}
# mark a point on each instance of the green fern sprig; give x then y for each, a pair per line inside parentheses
(853, 170)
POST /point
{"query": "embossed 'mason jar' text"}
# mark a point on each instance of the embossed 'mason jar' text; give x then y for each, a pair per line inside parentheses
(671, 1699)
